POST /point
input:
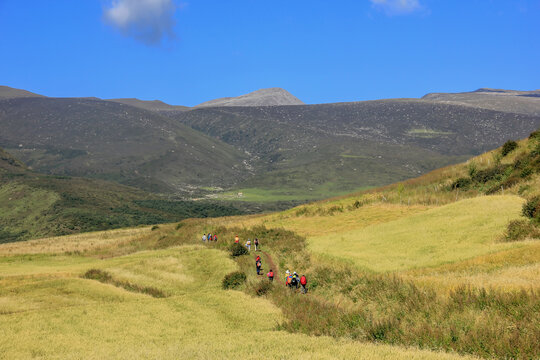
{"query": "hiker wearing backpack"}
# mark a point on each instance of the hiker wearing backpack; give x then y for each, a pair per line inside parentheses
(248, 245)
(204, 238)
(209, 237)
(256, 243)
(236, 239)
(215, 238)
(294, 281)
(259, 266)
(257, 259)
(303, 284)
(270, 275)
(288, 278)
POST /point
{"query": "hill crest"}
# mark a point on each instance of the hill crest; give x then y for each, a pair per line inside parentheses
(263, 97)
(7, 92)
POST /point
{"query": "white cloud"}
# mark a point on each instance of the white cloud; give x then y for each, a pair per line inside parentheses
(149, 21)
(397, 7)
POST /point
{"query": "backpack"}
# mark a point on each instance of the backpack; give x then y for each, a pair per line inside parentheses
(303, 280)
(294, 281)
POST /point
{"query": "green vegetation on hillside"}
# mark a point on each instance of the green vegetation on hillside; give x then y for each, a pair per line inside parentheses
(35, 205)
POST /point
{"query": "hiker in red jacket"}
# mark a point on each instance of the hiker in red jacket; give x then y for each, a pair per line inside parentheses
(270, 275)
(303, 284)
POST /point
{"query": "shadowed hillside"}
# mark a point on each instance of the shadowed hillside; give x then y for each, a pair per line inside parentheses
(333, 147)
(107, 140)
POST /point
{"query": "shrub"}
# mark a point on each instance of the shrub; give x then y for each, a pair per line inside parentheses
(472, 168)
(526, 172)
(238, 250)
(179, 225)
(535, 135)
(461, 183)
(508, 147)
(483, 176)
(333, 209)
(155, 227)
(531, 207)
(97, 274)
(262, 287)
(233, 280)
(521, 229)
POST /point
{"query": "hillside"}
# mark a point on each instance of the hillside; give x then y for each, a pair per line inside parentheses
(7, 92)
(267, 154)
(36, 205)
(111, 141)
(309, 151)
(521, 102)
(263, 97)
(150, 105)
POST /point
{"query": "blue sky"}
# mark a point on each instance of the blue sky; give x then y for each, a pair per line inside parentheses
(186, 52)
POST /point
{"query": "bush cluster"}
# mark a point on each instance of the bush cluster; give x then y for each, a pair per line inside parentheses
(233, 280)
(531, 208)
(508, 147)
(238, 250)
(461, 183)
(521, 229)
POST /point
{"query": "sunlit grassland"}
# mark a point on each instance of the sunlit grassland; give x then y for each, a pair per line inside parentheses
(453, 232)
(326, 224)
(513, 269)
(75, 243)
(55, 317)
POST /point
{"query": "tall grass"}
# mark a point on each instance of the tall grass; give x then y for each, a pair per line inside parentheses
(385, 308)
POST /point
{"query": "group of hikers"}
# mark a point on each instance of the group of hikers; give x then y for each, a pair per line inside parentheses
(248, 243)
(292, 281)
(209, 238)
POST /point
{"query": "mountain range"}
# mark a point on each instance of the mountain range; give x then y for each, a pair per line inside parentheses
(266, 141)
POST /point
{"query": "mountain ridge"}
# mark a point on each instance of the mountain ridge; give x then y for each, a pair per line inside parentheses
(262, 97)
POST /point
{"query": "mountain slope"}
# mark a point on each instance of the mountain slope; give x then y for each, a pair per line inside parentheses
(7, 92)
(36, 205)
(345, 146)
(107, 140)
(263, 97)
(521, 102)
(150, 105)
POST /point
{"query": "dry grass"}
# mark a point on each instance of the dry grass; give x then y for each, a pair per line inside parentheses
(50, 317)
(450, 233)
(513, 269)
(74, 243)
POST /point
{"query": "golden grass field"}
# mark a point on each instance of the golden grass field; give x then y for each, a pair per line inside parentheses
(48, 311)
